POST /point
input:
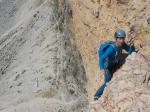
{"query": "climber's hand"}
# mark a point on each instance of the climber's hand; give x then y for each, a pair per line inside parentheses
(102, 72)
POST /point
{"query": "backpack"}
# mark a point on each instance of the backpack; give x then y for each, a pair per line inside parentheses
(104, 45)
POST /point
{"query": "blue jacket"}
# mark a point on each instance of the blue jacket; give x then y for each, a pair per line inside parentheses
(112, 54)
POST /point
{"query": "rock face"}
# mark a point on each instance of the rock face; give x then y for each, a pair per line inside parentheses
(49, 61)
(96, 20)
(129, 89)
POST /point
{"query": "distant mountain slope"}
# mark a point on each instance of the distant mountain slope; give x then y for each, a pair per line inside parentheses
(40, 67)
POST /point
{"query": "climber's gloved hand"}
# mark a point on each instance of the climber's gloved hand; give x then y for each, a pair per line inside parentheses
(137, 50)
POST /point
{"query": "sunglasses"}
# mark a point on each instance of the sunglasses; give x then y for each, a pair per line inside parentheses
(121, 37)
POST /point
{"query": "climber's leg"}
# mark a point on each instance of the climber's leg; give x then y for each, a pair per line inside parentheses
(101, 89)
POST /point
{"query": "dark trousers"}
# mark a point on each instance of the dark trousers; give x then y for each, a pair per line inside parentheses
(108, 75)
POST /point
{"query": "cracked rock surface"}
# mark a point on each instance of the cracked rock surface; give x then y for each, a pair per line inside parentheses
(129, 89)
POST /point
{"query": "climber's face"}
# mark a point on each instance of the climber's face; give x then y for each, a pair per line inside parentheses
(120, 41)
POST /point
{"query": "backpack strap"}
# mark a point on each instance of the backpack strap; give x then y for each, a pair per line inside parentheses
(113, 45)
(110, 43)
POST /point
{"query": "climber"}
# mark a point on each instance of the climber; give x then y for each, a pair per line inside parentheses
(109, 56)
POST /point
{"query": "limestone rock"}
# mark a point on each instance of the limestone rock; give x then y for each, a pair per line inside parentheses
(127, 91)
(49, 60)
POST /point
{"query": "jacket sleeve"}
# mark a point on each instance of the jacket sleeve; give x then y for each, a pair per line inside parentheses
(128, 48)
(103, 56)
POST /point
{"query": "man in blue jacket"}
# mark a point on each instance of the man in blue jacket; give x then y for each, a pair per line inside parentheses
(109, 56)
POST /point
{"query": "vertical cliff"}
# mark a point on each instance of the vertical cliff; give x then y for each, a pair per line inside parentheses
(95, 20)
(49, 62)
